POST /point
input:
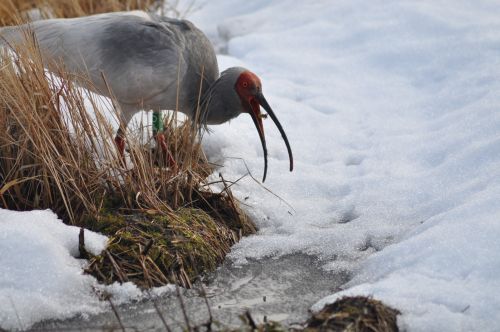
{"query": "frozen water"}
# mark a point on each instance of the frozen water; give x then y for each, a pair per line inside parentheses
(276, 289)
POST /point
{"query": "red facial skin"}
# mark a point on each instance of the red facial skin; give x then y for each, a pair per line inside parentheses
(249, 89)
(246, 86)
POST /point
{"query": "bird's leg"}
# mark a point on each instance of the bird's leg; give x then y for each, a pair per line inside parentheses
(120, 144)
(162, 142)
(124, 117)
(160, 138)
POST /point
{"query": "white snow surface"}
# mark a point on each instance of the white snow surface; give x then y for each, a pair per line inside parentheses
(40, 278)
(392, 111)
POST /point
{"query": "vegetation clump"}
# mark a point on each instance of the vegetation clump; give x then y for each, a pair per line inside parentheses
(354, 314)
(157, 250)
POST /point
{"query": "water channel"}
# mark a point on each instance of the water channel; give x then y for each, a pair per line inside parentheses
(280, 289)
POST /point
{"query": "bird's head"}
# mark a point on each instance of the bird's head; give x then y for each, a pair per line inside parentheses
(249, 90)
(237, 91)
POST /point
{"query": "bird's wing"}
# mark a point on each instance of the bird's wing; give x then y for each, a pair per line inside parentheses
(140, 57)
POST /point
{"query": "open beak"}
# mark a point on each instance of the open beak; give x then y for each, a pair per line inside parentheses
(259, 100)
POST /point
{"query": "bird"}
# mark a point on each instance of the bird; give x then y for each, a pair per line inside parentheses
(150, 62)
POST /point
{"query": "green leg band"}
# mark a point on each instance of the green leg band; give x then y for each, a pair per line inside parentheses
(157, 122)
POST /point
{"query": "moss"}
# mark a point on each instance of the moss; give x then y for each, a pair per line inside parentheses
(224, 207)
(170, 247)
(106, 223)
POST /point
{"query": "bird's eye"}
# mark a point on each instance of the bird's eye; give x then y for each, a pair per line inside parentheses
(245, 84)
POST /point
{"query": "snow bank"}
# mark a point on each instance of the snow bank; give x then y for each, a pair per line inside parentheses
(444, 275)
(391, 108)
(40, 278)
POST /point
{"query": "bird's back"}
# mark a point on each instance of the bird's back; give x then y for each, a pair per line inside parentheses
(141, 55)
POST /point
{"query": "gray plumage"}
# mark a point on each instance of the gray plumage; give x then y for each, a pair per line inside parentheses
(149, 62)
(141, 56)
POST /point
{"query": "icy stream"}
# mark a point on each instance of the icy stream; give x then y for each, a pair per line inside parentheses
(280, 289)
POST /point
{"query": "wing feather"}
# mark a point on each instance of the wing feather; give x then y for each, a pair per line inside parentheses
(125, 47)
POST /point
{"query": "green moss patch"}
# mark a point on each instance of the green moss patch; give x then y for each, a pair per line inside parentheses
(154, 250)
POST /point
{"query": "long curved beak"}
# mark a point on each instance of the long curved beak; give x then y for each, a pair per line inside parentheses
(257, 119)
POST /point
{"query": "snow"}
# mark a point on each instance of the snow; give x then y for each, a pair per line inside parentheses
(40, 278)
(444, 275)
(391, 109)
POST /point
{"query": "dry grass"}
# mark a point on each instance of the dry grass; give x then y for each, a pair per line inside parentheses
(354, 314)
(13, 10)
(57, 151)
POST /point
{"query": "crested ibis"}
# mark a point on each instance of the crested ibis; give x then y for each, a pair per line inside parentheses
(151, 63)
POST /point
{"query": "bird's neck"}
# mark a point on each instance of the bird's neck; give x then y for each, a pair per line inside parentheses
(210, 105)
(219, 103)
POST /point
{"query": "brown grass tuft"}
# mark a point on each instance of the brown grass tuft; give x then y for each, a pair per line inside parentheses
(354, 314)
(57, 150)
